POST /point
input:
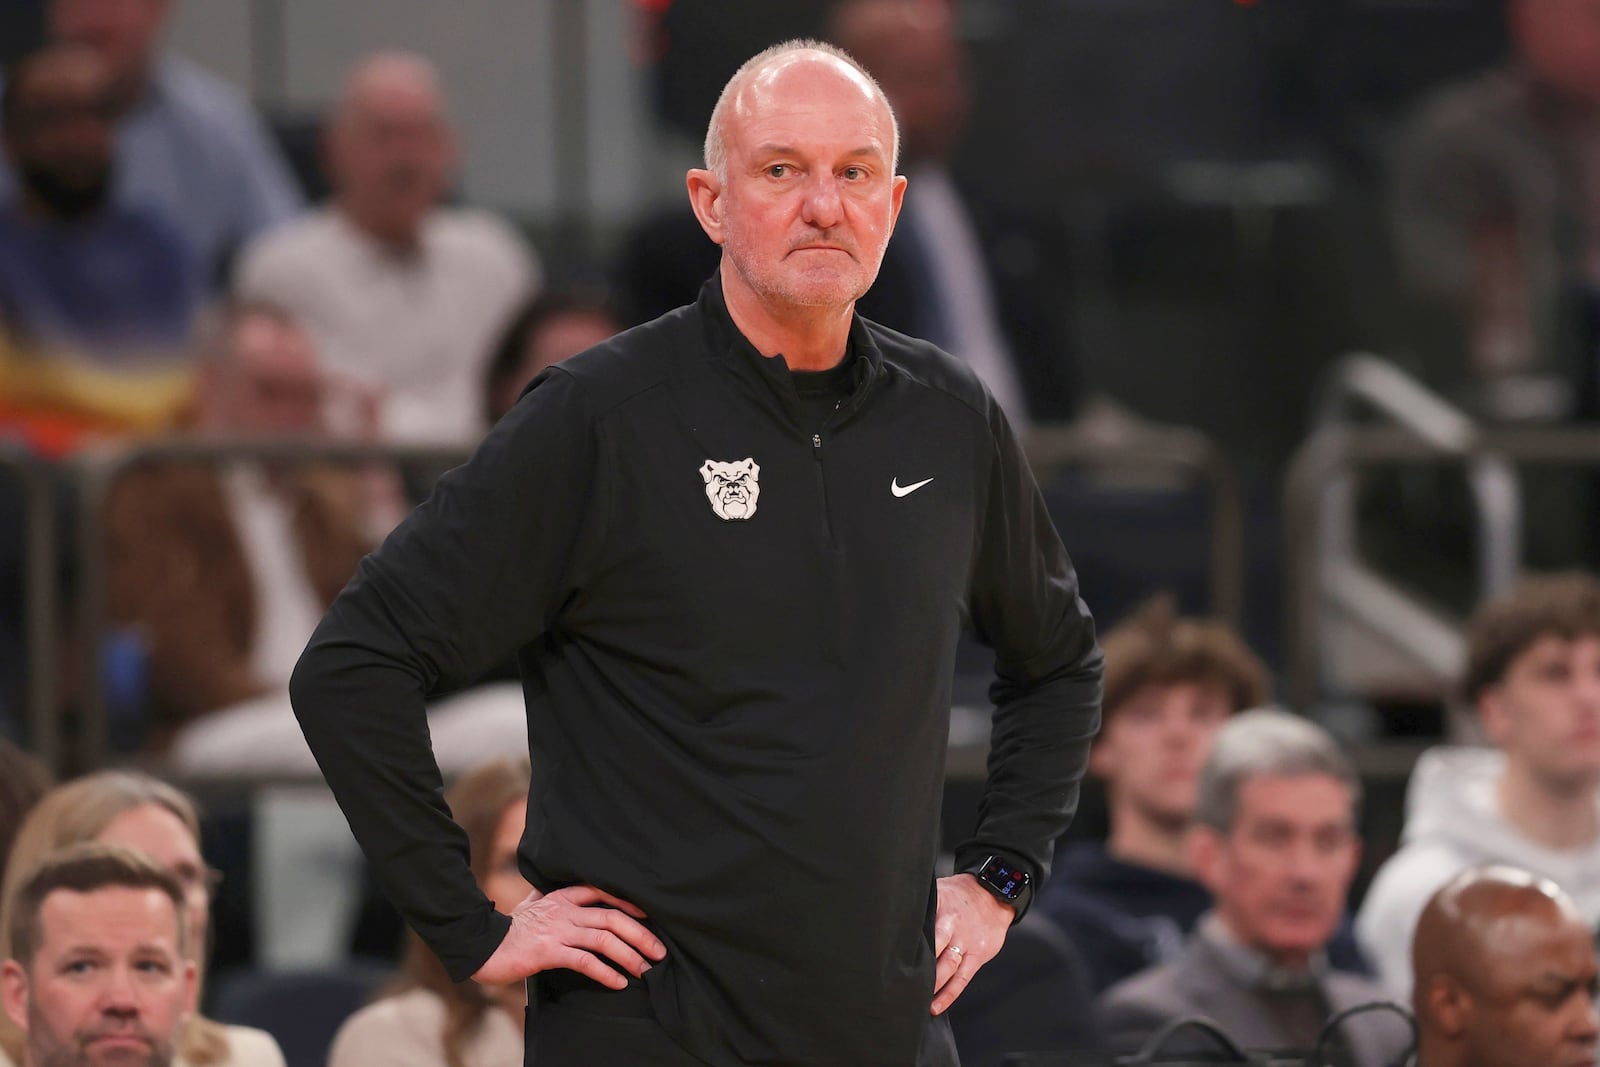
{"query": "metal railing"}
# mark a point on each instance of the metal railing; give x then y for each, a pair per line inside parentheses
(1325, 567)
(97, 472)
(39, 601)
(1168, 450)
(1336, 455)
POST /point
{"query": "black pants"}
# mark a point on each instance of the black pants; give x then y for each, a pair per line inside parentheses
(569, 1026)
(572, 1022)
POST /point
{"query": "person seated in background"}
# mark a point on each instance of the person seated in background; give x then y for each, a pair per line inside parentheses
(1533, 676)
(98, 972)
(1496, 216)
(1504, 974)
(426, 1020)
(189, 148)
(97, 299)
(221, 572)
(23, 780)
(136, 811)
(548, 329)
(1171, 684)
(399, 292)
(1275, 842)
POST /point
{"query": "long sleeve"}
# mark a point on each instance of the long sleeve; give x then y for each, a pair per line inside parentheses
(1025, 605)
(478, 571)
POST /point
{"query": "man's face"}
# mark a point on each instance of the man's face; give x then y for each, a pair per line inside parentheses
(107, 985)
(60, 141)
(810, 198)
(1545, 712)
(267, 384)
(1533, 1004)
(1560, 41)
(1281, 873)
(911, 48)
(1153, 746)
(124, 33)
(391, 151)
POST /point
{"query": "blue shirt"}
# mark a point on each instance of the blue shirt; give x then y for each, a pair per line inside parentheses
(196, 153)
(120, 284)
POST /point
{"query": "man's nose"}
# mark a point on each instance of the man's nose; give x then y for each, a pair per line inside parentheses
(822, 207)
(118, 996)
(1586, 1022)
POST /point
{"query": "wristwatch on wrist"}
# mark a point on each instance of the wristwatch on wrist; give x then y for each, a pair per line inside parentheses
(1006, 880)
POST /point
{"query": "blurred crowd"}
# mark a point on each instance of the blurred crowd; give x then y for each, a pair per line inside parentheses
(163, 278)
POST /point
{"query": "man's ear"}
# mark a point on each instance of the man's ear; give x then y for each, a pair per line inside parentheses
(1103, 757)
(898, 195)
(191, 989)
(1447, 1005)
(14, 992)
(705, 196)
(1494, 715)
(1207, 856)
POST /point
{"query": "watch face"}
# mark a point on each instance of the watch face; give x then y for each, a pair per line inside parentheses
(1004, 879)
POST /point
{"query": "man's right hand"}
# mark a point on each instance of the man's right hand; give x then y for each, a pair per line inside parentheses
(572, 929)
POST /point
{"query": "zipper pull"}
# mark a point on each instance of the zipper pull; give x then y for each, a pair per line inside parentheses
(816, 445)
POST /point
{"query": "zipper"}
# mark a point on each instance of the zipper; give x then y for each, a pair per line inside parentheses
(822, 478)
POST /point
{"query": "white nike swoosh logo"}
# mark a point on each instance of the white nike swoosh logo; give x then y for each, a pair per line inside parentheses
(906, 490)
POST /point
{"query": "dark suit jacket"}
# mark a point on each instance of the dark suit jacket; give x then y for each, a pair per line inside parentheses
(1197, 983)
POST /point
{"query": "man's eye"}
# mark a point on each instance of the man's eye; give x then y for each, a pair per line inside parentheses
(854, 173)
(778, 170)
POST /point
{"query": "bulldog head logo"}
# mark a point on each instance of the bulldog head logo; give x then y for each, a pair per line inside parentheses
(732, 488)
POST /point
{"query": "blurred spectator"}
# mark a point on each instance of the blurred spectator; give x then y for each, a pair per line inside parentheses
(77, 271)
(23, 780)
(189, 147)
(1505, 974)
(962, 273)
(1170, 685)
(428, 1020)
(223, 572)
(973, 276)
(97, 974)
(548, 329)
(144, 813)
(399, 292)
(1497, 217)
(188, 143)
(1275, 842)
(1533, 674)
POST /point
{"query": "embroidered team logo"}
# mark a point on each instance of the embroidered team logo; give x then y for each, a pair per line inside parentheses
(732, 488)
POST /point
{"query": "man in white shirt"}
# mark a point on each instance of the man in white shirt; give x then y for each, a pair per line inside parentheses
(397, 291)
(1533, 674)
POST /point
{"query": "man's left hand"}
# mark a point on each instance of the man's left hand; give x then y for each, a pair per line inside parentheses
(968, 931)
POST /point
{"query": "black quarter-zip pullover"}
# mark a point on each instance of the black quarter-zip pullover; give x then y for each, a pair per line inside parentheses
(736, 632)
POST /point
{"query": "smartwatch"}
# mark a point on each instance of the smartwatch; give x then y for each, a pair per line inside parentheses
(1008, 881)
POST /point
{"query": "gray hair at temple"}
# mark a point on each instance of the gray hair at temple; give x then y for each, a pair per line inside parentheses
(1267, 743)
(716, 146)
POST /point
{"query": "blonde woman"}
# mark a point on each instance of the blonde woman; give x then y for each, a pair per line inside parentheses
(426, 1020)
(144, 813)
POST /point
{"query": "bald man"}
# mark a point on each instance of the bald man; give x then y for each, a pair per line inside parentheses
(401, 294)
(1505, 975)
(733, 549)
